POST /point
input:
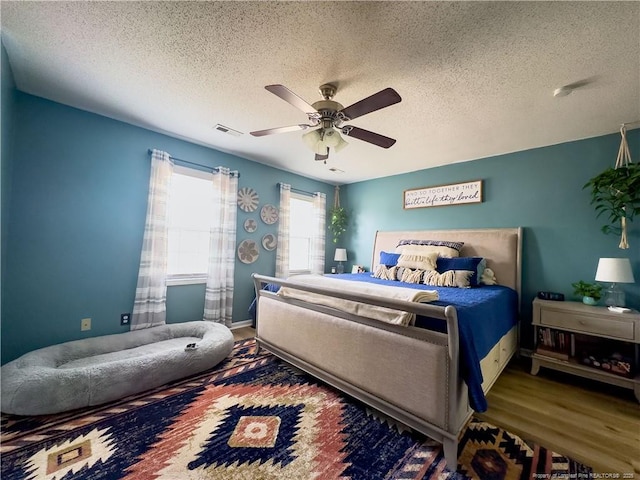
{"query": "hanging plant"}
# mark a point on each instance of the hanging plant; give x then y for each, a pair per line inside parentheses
(338, 222)
(338, 218)
(616, 193)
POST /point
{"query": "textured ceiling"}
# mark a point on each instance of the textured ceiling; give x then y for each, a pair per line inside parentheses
(476, 78)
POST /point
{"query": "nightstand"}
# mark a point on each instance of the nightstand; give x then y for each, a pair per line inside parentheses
(581, 340)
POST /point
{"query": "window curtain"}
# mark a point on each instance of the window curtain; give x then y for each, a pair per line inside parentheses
(218, 297)
(317, 244)
(282, 252)
(149, 308)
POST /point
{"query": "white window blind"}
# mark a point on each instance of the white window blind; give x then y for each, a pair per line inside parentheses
(302, 230)
(190, 216)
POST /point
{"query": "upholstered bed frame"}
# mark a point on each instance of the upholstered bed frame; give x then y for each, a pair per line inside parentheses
(408, 373)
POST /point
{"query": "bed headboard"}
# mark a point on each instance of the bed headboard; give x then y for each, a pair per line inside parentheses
(502, 247)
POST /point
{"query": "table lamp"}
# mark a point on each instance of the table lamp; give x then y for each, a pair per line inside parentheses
(340, 256)
(614, 270)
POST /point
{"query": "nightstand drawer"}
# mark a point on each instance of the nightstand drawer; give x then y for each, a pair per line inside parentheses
(588, 324)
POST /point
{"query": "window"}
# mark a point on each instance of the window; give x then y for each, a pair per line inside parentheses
(302, 230)
(189, 216)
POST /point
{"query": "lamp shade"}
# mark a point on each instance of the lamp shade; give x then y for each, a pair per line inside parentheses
(313, 140)
(341, 255)
(331, 137)
(340, 145)
(614, 270)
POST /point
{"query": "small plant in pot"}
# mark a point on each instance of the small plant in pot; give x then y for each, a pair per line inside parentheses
(590, 292)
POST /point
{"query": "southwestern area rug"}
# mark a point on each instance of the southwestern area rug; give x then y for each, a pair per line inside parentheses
(254, 418)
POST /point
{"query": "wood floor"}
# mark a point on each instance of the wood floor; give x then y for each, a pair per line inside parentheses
(593, 423)
(596, 424)
(243, 333)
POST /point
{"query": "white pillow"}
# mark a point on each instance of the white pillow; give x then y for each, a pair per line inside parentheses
(418, 259)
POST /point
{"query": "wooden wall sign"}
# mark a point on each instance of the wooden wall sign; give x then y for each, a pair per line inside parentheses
(442, 195)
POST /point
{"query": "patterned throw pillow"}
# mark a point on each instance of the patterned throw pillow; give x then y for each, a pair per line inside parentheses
(437, 243)
(450, 278)
(412, 276)
(442, 247)
(385, 273)
(400, 274)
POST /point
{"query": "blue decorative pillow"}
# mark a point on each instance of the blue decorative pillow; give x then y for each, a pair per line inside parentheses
(389, 259)
(474, 264)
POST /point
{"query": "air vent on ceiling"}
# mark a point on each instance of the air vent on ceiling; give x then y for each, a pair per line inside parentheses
(230, 131)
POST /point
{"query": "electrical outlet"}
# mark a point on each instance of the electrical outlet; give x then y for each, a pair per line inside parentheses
(85, 324)
(125, 318)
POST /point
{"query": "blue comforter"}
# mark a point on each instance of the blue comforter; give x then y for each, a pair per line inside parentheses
(485, 314)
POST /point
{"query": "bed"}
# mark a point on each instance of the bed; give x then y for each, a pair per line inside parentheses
(417, 373)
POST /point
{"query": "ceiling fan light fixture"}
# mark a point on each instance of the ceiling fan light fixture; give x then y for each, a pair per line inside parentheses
(311, 139)
(328, 116)
(331, 137)
(321, 139)
(340, 145)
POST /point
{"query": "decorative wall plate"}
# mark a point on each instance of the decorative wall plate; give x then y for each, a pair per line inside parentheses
(269, 242)
(250, 225)
(269, 214)
(248, 251)
(248, 199)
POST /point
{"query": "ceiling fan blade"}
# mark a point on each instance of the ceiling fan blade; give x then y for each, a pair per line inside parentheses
(288, 96)
(382, 99)
(271, 131)
(367, 136)
(322, 157)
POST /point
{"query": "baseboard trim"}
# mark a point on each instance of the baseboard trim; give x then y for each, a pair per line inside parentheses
(241, 324)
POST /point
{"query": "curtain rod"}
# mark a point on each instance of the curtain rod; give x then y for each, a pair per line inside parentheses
(297, 190)
(213, 169)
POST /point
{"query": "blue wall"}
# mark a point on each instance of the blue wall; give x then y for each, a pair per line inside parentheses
(539, 189)
(7, 106)
(74, 191)
(78, 198)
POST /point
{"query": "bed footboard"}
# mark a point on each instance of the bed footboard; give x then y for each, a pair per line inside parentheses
(400, 371)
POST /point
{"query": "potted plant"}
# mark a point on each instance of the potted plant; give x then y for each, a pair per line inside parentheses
(338, 220)
(590, 292)
(616, 193)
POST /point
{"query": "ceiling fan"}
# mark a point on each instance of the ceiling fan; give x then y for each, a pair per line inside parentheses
(329, 117)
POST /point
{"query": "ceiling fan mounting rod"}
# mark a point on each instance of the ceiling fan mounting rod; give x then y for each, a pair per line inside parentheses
(327, 122)
(328, 109)
(328, 91)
